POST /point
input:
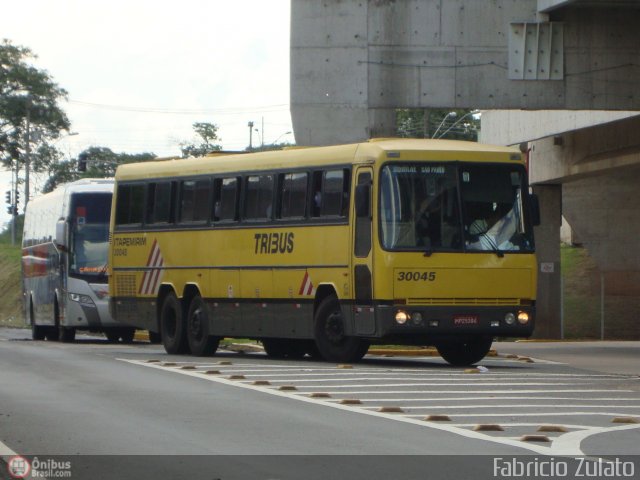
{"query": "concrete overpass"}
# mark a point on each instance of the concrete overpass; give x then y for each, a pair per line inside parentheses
(540, 67)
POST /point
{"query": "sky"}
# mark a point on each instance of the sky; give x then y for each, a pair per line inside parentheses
(139, 73)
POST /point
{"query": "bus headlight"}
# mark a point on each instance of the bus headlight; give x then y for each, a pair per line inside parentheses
(402, 317)
(523, 318)
(416, 318)
(509, 318)
(82, 299)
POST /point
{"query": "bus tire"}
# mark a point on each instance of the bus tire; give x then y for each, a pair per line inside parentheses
(284, 348)
(201, 342)
(329, 329)
(113, 335)
(127, 335)
(66, 334)
(174, 335)
(37, 332)
(466, 351)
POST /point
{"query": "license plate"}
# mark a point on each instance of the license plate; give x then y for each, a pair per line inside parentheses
(465, 320)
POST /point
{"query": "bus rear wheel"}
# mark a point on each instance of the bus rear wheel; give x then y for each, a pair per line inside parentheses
(332, 342)
(466, 351)
(201, 342)
(174, 335)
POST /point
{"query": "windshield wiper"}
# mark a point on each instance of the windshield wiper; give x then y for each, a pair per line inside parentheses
(492, 244)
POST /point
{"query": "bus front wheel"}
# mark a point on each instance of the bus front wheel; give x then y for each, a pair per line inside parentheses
(466, 351)
(174, 335)
(284, 348)
(37, 332)
(332, 342)
(201, 342)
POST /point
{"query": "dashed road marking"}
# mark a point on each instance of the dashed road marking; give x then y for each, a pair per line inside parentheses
(341, 389)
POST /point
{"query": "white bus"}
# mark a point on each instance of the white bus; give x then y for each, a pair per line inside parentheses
(64, 262)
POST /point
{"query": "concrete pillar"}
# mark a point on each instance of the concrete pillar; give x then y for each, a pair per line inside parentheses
(547, 235)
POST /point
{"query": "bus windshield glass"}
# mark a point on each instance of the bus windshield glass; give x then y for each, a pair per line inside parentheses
(89, 231)
(453, 207)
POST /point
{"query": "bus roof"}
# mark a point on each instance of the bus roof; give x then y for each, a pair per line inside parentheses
(372, 151)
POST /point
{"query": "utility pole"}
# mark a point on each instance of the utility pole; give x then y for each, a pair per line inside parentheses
(250, 124)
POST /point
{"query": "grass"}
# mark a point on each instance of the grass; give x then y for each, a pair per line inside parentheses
(11, 297)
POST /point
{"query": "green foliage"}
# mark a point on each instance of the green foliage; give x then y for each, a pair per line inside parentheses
(28, 97)
(208, 134)
(5, 235)
(269, 147)
(438, 123)
(101, 163)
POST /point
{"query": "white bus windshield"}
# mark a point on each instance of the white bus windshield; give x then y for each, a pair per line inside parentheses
(89, 234)
(453, 207)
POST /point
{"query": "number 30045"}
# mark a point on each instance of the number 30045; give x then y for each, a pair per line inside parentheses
(416, 276)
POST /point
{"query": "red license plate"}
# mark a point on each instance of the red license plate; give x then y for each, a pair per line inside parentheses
(465, 320)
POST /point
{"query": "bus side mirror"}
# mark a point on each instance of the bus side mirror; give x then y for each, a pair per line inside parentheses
(363, 202)
(61, 234)
(535, 209)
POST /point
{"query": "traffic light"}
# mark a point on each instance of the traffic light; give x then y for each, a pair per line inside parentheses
(8, 197)
(10, 210)
(82, 162)
(17, 202)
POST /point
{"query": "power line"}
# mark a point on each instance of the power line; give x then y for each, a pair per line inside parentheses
(170, 111)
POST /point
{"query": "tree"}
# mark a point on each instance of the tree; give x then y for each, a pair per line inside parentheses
(28, 108)
(101, 162)
(438, 123)
(208, 133)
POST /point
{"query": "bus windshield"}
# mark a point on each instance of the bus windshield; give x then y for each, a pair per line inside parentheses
(89, 234)
(453, 207)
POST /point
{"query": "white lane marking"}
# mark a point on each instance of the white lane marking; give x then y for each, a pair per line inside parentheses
(549, 414)
(405, 419)
(405, 376)
(461, 384)
(493, 405)
(493, 397)
(5, 451)
(556, 448)
(446, 392)
(238, 367)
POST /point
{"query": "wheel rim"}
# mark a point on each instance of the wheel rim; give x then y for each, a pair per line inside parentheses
(334, 328)
(195, 324)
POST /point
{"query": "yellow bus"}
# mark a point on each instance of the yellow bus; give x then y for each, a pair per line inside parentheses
(326, 250)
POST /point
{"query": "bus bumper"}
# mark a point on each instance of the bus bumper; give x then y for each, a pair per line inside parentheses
(405, 322)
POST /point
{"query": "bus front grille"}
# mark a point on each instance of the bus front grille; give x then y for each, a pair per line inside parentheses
(463, 301)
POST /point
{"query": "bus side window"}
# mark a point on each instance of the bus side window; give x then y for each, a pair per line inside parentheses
(130, 204)
(225, 204)
(194, 200)
(335, 189)
(160, 197)
(293, 195)
(258, 200)
(316, 192)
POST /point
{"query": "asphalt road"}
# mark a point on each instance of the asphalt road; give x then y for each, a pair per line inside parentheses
(131, 411)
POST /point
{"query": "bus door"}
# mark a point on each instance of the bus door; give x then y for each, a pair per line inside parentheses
(363, 314)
